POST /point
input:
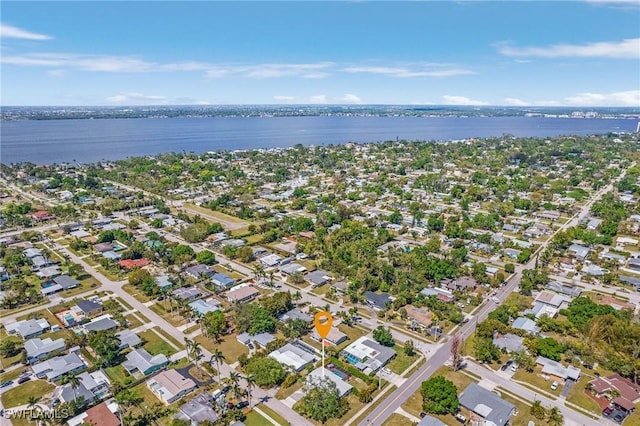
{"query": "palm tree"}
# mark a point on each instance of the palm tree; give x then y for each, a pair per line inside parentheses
(251, 382)
(555, 417)
(74, 381)
(32, 401)
(234, 378)
(189, 345)
(196, 351)
(217, 357)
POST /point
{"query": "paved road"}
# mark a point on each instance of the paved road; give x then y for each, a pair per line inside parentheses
(571, 417)
(379, 414)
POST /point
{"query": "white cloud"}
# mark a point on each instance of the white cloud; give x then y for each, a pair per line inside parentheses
(461, 100)
(57, 73)
(8, 31)
(282, 98)
(625, 49)
(405, 72)
(349, 98)
(319, 99)
(135, 98)
(515, 102)
(285, 70)
(82, 62)
(627, 98)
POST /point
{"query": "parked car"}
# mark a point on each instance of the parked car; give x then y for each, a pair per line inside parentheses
(495, 300)
(554, 385)
(462, 419)
(230, 405)
(5, 384)
(250, 345)
(226, 389)
(506, 365)
(606, 411)
(23, 379)
(423, 414)
(514, 367)
(242, 404)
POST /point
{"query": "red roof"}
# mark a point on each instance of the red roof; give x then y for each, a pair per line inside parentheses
(131, 263)
(624, 403)
(100, 415)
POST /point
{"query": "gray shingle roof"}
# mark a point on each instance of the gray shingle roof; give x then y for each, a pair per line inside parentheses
(486, 404)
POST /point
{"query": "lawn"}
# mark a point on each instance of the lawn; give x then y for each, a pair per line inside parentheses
(401, 362)
(8, 362)
(136, 293)
(252, 239)
(85, 285)
(535, 379)
(124, 303)
(229, 345)
(398, 420)
(284, 393)
(155, 344)
(174, 318)
(321, 290)
(19, 395)
(112, 276)
(275, 416)
(144, 392)
(523, 416)
(118, 374)
(133, 321)
(223, 217)
(255, 419)
(353, 333)
(11, 375)
(169, 338)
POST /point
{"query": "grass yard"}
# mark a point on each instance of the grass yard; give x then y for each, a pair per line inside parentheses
(170, 338)
(321, 290)
(398, 420)
(85, 285)
(11, 375)
(233, 274)
(524, 410)
(536, 380)
(275, 416)
(353, 333)
(118, 374)
(133, 321)
(43, 313)
(135, 293)
(20, 395)
(53, 335)
(255, 419)
(9, 361)
(223, 217)
(253, 239)
(284, 393)
(154, 344)
(229, 346)
(145, 393)
(401, 362)
(174, 318)
(113, 276)
(371, 406)
(124, 303)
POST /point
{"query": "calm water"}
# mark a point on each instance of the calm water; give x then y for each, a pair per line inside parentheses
(86, 141)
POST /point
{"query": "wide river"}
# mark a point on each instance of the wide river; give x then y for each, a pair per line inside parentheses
(87, 141)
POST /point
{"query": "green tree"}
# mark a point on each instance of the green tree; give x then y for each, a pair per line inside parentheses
(548, 347)
(244, 254)
(537, 410)
(383, 336)
(409, 349)
(265, 371)
(322, 401)
(485, 350)
(555, 417)
(218, 357)
(254, 319)
(106, 345)
(9, 348)
(215, 324)
(206, 257)
(439, 396)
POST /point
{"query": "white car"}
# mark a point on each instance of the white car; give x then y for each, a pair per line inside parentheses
(495, 300)
(554, 385)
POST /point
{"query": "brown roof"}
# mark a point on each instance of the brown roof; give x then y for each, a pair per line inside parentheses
(616, 303)
(420, 315)
(624, 403)
(242, 293)
(100, 415)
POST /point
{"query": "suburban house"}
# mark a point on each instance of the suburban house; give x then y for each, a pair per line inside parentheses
(292, 268)
(93, 386)
(89, 307)
(295, 314)
(133, 263)
(318, 278)
(334, 337)
(53, 369)
(377, 301)
(197, 272)
(38, 349)
(617, 389)
(440, 293)
(42, 215)
(526, 324)
(128, 339)
(368, 355)
(486, 405)
(197, 410)
(242, 294)
(287, 246)
(554, 368)
(222, 280)
(270, 260)
(101, 415)
(579, 251)
(260, 339)
(101, 323)
(296, 356)
(59, 283)
(142, 361)
(509, 342)
(186, 293)
(317, 375)
(28, 328)
(169, 386)
(464, 284)
(203, 307)
(420, 317)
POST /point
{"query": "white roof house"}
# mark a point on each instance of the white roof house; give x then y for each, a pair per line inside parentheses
(296, 357)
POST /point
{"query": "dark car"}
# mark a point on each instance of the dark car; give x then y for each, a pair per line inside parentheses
(606, 411)
(423, 414)
(23, 379)
(242, 404)
(250, 345)
(230, 405)
(506, 365)
(5, 384)
(619, 417)
(225, 389)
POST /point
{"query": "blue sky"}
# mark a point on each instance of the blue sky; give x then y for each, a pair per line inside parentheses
(578, 53)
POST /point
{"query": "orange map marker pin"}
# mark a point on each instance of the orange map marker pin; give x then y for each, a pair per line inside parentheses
(322, 322)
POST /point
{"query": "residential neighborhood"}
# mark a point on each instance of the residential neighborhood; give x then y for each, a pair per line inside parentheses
(488, 281)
